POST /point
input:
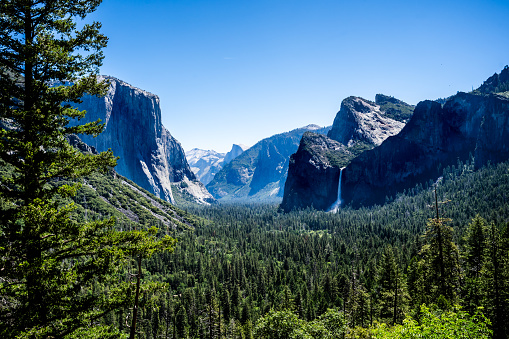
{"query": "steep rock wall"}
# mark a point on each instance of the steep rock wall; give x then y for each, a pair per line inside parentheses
(149, 155)
(434, 138)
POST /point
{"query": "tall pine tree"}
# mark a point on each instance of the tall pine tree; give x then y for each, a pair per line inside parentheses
(440, 261)
(54, 268)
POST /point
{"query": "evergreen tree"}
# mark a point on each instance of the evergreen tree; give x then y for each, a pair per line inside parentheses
(495, 283)
(391, 294)
(181, 324)
(54, 268)
(475, 246)
(440, 260)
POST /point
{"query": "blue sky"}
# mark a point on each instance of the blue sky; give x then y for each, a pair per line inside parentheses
(240, 71)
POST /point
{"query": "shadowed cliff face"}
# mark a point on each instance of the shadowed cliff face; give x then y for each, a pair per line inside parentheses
(434, 138)
(312, 172)
(149, 155)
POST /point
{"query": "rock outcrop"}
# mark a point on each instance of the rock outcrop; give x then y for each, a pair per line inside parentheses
(234, 152)
(358, 126)
(149, 155)
(362, 120)
(312, 169)
(259, 173)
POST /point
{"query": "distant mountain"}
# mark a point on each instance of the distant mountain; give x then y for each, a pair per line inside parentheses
(437, 135)
(206, 163)
(359, 125)
(234, 152)
(259, 173)
(149, 155)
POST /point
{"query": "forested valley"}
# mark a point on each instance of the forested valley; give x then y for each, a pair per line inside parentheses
(87, 253)
(252, 272)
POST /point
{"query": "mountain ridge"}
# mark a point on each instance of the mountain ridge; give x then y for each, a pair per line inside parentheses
(359, 125)
(206, 163)
(259, 173)
(467, 125)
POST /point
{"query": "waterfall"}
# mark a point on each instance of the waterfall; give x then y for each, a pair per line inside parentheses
(335, 206)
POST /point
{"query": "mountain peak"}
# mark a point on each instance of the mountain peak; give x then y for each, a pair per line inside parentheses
(496, 83)
(362, 120)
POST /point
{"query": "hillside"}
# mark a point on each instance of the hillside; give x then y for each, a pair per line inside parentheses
(260, 172)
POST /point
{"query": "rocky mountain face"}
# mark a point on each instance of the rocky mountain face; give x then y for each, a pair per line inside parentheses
(312, 169)
(259, 173)
(206, 163)
(234, 152)
(149, 155)
(362, 120)
(359, 125)
(437, 135)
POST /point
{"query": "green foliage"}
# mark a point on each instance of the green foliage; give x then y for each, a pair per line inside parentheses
(285, 325)
(438, 324)
(439, 264)
(392, 296)
(280, 325)
(257, 259)
(394, 108)
(341, 158)
(60, 276)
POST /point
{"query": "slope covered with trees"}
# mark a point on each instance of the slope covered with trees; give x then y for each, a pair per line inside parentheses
(247, 267)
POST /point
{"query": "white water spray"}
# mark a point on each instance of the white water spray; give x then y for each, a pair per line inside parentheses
(335, 206)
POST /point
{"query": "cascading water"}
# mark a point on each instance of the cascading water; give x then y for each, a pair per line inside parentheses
(335, 206)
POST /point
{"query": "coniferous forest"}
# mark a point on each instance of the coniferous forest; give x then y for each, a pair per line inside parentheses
(252, 272)
(86, 253)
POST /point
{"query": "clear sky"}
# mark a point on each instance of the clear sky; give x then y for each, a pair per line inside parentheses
(238, 71)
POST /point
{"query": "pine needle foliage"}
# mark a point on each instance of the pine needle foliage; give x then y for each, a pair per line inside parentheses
(58, 275)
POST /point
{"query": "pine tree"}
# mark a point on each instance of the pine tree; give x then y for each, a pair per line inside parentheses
(54, 268)
(440, 260)
(391, 294)
(495, 283)
(475, 247)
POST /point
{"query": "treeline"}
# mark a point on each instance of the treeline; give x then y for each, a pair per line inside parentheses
(373, 265)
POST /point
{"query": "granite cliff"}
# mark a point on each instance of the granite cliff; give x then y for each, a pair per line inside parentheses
(437, 135)
(360, 125)
(362, 120)
(149, 155)
(312, 169)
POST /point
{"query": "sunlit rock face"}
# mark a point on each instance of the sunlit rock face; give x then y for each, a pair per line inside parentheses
(361, 120)
(148, 154)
